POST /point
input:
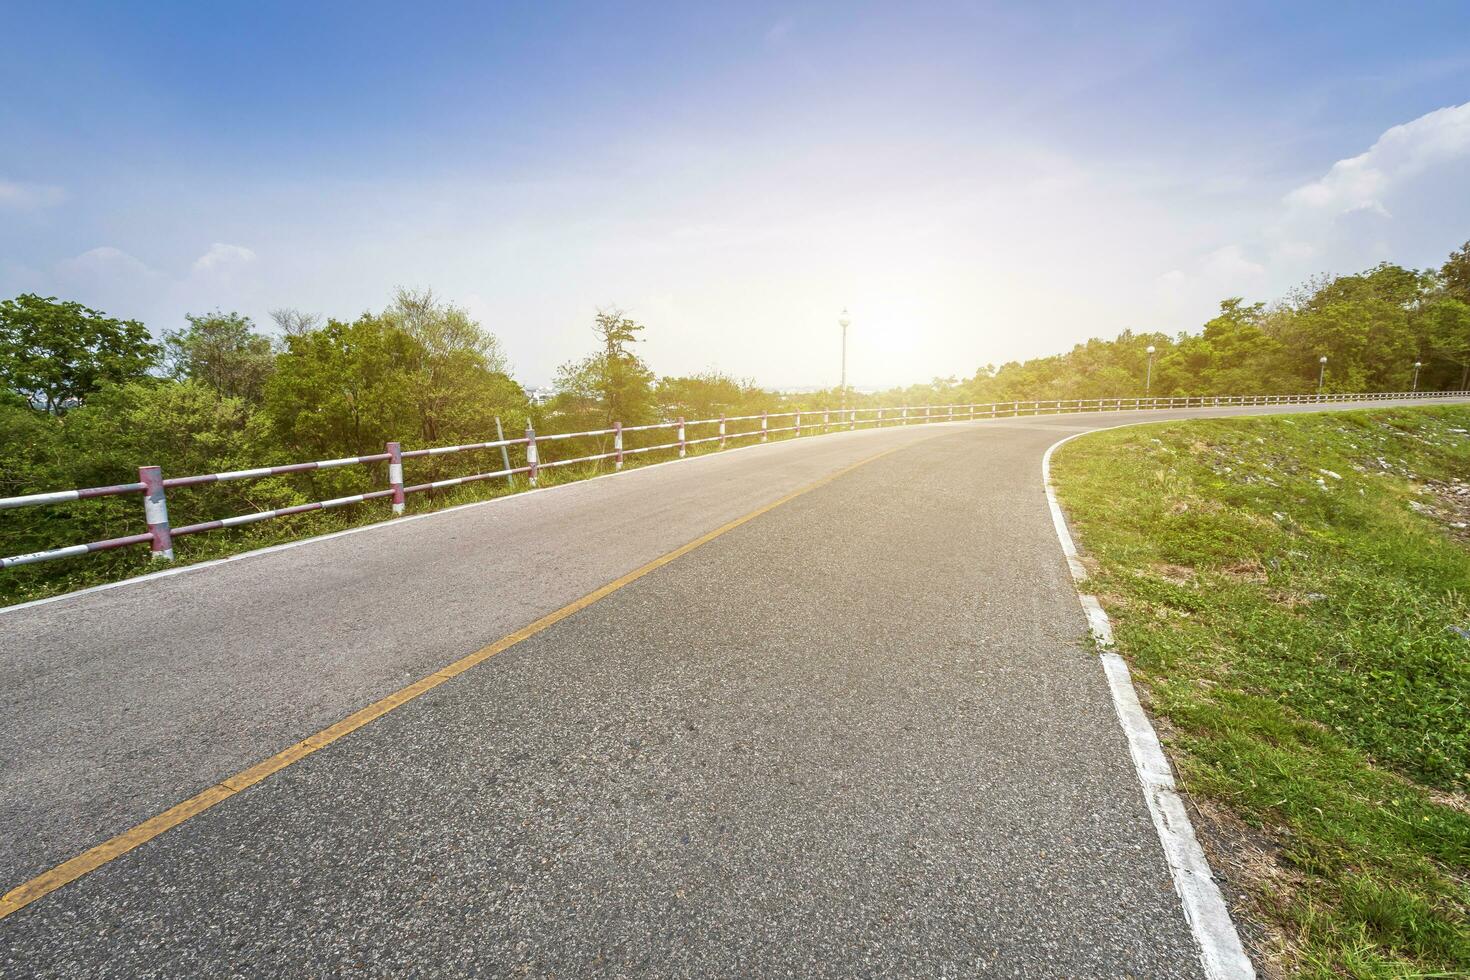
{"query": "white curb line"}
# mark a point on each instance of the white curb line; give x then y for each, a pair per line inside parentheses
(1221, 952)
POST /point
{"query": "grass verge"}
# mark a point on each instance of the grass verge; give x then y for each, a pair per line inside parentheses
(1291, 593)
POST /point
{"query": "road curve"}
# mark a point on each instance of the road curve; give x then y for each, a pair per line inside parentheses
(860, 734)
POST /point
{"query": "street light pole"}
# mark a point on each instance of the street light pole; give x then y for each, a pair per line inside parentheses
(843, 321)
(1417, 366)
(1148, 378)
(1321, 373)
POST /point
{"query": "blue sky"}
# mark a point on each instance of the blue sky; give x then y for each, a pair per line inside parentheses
(978, 182)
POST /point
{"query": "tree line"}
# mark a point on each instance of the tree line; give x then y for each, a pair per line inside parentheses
(86, 397)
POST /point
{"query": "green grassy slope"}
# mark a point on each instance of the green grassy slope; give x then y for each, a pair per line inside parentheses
(1290, 593)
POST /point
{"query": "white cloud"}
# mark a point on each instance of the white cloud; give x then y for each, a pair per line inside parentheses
(23, 196)
(111, 279)
(107, 263)
(223, 258)
(1363, 182)
(1291, 251)
(1231, 264)
(1402, 200)
(1186, 295)
(779, 34)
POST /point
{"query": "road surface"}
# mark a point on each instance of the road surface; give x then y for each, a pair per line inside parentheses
(859, 734)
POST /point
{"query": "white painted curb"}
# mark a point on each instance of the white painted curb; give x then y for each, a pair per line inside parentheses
(1221, 953)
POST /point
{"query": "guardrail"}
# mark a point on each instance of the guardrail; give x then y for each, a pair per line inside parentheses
(154, 487)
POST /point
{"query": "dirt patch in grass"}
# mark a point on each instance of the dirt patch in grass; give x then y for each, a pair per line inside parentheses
(1174, 574)
(1251, 874)
(1248, 570)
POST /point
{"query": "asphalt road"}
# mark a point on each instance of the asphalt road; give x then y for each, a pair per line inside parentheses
(858, 735)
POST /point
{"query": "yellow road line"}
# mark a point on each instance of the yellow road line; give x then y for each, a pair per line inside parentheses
(90, 860)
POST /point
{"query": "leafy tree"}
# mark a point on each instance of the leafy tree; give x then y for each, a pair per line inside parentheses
(1363, 323)
(222, 350)
(54, 354)
(1233, 354)
(709, 395)
(342, 389)
(185, 426)
(613, 385)
(1455, 273)
(30, 452)
(457, 376)
(1448, 330)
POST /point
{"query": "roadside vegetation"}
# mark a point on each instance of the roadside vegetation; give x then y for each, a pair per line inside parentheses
(86, 397)
(1293, 595)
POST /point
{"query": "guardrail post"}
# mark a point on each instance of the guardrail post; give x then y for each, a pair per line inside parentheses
(510, 478)
(155, 512)
(618, 443)
(798, 425)
(682, 448)
(903, 417)
(765, 426)
(722, 431)
(395, 476)
(851, 419)
(533, 460)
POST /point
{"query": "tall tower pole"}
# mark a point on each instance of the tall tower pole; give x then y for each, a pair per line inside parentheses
(843, 321)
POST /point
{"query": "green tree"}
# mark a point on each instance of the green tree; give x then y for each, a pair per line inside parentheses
(1455, 273)
(1448, 333)
(343, 389)
(223, 351)
(185, 426)
(613, 385)
(1365, 325)
(457, 375)
(1233, 354)
(54, 353)
(709, 395)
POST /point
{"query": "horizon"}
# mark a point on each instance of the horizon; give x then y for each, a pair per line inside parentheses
(975, 186)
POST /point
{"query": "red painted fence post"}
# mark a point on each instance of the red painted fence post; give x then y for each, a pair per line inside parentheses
(155, 512)
(618, 445)
(395, 476)
(532, 460)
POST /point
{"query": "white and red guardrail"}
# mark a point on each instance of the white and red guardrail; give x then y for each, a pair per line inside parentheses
(154, 487)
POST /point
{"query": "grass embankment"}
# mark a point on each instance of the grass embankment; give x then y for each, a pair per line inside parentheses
(1291, 592)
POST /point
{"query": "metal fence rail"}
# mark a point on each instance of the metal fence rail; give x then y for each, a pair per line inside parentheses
(153, 486)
